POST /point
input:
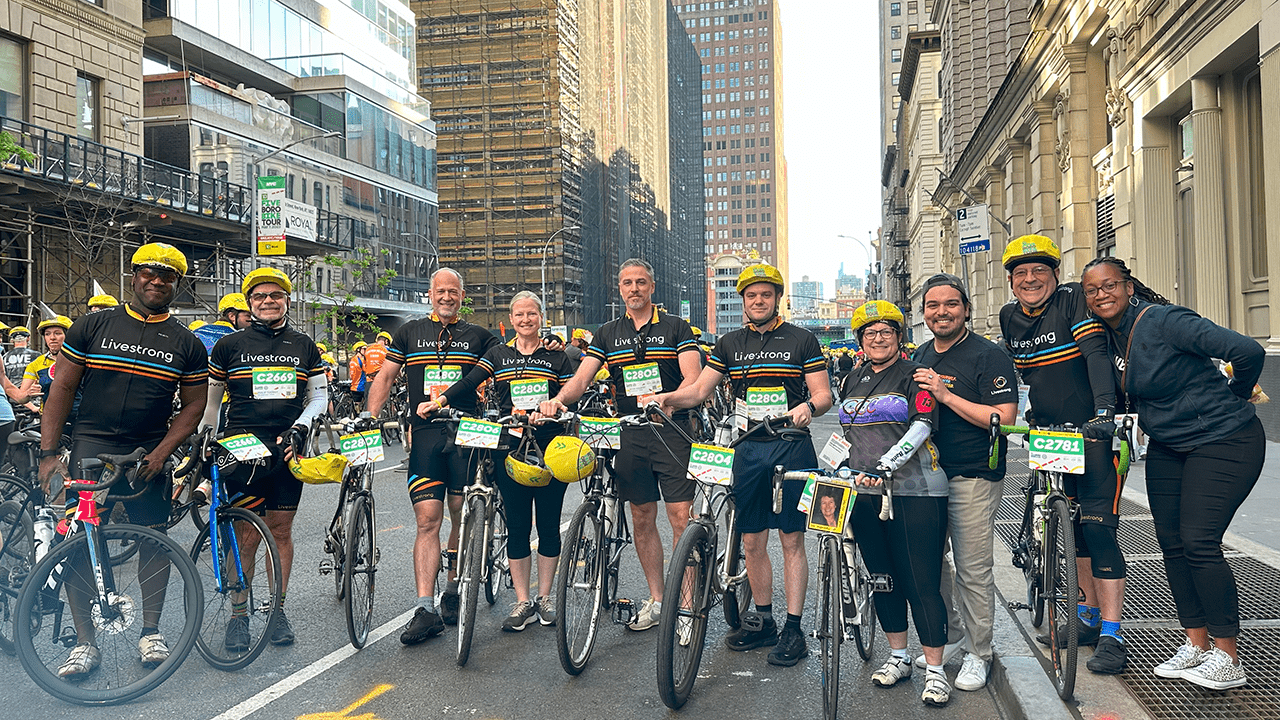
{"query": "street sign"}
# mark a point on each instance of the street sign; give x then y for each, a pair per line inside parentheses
(270, 223)
(684, 309)
(973, 224)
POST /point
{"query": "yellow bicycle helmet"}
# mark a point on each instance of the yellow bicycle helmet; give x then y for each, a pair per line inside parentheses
(1031, 248)
(760, 272)
(19, 330)
(265, 275)
(319, 470)
(160, 255)
(874, 311)
(359, 344)
(697, 331)
(525, 465)
(61, 321)
(384, 335)
(233, 301)
(322, 348)
(102, 301)
(196, 324)
(569, 459)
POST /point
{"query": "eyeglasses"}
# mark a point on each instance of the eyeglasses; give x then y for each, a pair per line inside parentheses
(882, 332)
(1037, 271)
(277, 296)
(1105, 287)
(148, 274)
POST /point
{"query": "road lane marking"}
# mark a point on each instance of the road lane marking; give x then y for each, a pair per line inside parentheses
(294, 681)
(346, 712)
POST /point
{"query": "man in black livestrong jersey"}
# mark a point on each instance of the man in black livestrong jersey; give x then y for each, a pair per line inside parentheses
(129, 361)
(647, 352)
(1061, 351)
(276, 385)
(775, 369)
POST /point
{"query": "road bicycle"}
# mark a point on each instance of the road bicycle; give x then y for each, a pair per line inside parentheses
(1045, 544)
(238, 562)
(352, 539)
(74, 595)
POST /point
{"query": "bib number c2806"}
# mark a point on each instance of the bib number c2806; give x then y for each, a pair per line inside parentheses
(275, 383)
(711, 464)
(1057, 452)
(643, 379)
(526, 394)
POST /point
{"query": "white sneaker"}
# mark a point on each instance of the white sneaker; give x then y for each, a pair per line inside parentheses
(894, 669)
(937, 691)
(649, 615)
(973, 673)
(1188, 656)
(152, 649)
(1216, 672)
(949, 651)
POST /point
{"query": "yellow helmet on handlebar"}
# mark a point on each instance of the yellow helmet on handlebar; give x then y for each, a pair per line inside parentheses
(569, 459)
(525, 465)
(319, 470)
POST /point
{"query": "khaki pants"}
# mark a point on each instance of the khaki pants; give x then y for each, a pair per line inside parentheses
(968, 582)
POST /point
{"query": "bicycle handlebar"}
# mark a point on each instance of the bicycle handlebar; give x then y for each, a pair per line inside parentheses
(844, 473)
(1123, 431)
(114, 468)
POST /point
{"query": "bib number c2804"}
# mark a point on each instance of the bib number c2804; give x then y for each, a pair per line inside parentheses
(711, 464)
(643, 379)
(1057, 452)
(275, 383)
(766, 402)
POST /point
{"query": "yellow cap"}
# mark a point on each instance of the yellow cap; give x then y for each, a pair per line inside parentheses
(19, 330)
(875, 311)
(265, 275)
(1031, 248)
(161, 255)
(196, 324)
(61, 321)
(322, 347)
(384, 335)
(359, 344)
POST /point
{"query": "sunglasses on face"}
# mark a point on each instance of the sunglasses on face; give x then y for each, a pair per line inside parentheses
(150, 274)
(261, 296)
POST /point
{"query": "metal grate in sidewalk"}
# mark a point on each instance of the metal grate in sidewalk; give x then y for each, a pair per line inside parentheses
(1180, 700)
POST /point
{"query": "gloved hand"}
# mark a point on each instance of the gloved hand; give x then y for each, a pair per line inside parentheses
(1102, 426)
(295, 437)
(1030, 417)
(365, 421)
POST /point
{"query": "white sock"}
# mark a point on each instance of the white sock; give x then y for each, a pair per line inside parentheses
(935, 669)
(901, 654)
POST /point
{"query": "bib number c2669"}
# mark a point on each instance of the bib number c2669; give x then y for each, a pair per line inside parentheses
(275, 383)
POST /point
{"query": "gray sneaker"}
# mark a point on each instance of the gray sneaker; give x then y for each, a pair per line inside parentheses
(522, 613)
(546, 610)
(1216, 672)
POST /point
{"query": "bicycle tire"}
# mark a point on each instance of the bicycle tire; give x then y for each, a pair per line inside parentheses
(359, 571)
(499, 565)
(469, 580)
(685, 599)
(864, 633)
(263, 592)
(336, 545)
(737, 595)
(1060, 570)
(17, 555)
(41, 655)
(830, 622)
(579, 600)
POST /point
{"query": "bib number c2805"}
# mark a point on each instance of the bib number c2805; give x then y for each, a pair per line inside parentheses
(1057, 452)
(643, 379)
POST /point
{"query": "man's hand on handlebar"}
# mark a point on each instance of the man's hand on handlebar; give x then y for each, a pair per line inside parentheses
(151, 465)
(49, 467)
(800, 416)
(551, 408)
(876, 480)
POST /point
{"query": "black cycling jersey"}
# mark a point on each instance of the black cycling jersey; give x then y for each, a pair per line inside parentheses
(1061, 351)
(661, 341)
(266, 372)
(508, 366)
(133, 365)
(16, 362)
(779, 357)
(978, 371)
(875, 411)
(435, 356)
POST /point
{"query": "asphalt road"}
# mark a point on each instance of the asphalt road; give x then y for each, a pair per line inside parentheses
(508, 676)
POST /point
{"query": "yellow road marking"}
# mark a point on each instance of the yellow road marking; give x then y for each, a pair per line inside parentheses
(346, 712)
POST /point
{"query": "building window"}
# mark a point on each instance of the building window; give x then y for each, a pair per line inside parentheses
(895, 32)
(87, 115)
(1257, 177)
(897, 100)
(895, 9)
(895, 55)
(893, 79)
(913, 8)
(912, 28)
(13, 79)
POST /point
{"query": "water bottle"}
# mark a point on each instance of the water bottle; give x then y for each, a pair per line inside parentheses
(611, 511)
(46, 519)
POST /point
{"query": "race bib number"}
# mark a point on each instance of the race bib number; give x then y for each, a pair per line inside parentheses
(711, 464)
(245, 447)
(740, 415)
(765, 403)
(639, 380)
(275, 383)
(478, 434)
(835, 452)
(601, 433)
(526, 394)
(1057, 452)
(362, 448)
(435, 380)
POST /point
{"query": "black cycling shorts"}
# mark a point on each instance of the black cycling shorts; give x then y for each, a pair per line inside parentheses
(648, 463)
(436, 465)
(264, 484)
(753, 464)
(1097, 491)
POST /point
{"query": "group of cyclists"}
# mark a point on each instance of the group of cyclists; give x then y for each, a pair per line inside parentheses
(109, 380)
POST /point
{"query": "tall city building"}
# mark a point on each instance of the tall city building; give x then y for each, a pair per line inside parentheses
(739, 45)
(555, 150)
(805, 296)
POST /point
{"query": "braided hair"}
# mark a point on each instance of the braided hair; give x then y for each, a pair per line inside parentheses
(1141, 291)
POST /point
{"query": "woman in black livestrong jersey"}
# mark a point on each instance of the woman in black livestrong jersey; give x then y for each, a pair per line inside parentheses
(887, 419)
(524, 363)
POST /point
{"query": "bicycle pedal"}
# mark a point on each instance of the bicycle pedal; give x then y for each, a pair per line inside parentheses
(881, 583)
(326, 567)
(1018, 606)
(624, 611)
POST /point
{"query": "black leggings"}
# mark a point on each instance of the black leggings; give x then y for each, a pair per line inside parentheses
(519, 501)
(909, 549)
(1210, 482)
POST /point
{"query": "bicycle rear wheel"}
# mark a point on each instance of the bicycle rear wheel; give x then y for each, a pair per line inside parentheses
(830, 622)
(358, 573)
(17, 555)
(579, 603)
(469, 580)
(44, 631)
(240, 610)
(737, 594)
(1063, 596)
(682, 632)
(499, 566)
(864, 633)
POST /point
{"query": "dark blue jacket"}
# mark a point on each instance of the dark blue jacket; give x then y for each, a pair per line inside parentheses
(1181, 398)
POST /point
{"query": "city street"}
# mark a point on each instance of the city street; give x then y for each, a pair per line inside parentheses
(508, 676)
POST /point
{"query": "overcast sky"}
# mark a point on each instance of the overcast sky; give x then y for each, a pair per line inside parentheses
(831, 114)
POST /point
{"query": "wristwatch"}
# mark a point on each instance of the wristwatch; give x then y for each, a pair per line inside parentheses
(813, 411)
(48, 453)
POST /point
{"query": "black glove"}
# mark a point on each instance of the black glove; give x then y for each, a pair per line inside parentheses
(295, 437)
(1102, 426)
(366, 422)
(1030, 417)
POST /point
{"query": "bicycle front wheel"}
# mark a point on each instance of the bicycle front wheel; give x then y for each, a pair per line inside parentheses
(17, 555)
(241, 588)
(864, 633)
(682, 631)
(830, 622)
(157, 587)
(359, 571)
(1064, 594)
(469, 580)
(499, 565)
(579, 603)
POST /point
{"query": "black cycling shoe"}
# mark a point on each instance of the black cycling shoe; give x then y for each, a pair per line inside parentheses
(449, 602)
(755, 631)
(282, 633)
(1088, 637)
(422, 625)
(791, 648)
(237, 640)
(1110, 658)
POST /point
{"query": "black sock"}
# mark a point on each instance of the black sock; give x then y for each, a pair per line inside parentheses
(149, 631)
(793, 622)
(765, 609)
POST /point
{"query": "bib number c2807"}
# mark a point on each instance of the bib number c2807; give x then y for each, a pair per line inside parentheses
(362, 448)
(711, 464)
(643, 379)
(275, 383)
(1057, 452)
(435, 380)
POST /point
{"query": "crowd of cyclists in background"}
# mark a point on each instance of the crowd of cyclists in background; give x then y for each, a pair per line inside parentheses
(128, 374)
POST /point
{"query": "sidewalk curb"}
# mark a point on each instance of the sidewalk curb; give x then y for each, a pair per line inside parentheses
(1023, 691)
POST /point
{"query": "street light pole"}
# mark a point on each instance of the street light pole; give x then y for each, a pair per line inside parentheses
(435, 249)
(546, 245)
(253, 215)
